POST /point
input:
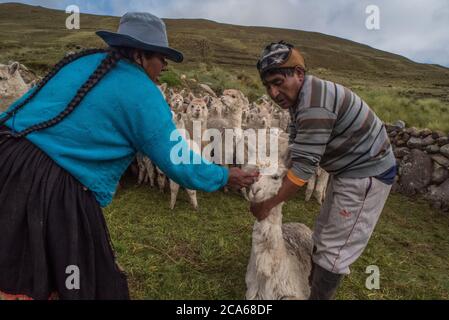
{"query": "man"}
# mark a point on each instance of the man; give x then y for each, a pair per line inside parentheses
(333, 128)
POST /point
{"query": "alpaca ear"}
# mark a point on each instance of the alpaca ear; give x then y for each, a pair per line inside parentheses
(13, 68)
(183, 92)
(179, 116)
(171, 92)
(163, 87)
(191, 96)
(207, 99)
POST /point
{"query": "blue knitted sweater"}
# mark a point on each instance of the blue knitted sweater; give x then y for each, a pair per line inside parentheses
(124, 113)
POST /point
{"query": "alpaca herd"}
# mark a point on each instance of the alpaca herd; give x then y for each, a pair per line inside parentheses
(231, 110)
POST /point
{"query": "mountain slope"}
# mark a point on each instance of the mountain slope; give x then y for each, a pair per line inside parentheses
(37, 37)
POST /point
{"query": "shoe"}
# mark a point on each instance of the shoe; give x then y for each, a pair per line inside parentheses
(324, 284)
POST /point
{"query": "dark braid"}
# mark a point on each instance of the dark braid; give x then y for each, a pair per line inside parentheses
(66, 60)
(105, 66)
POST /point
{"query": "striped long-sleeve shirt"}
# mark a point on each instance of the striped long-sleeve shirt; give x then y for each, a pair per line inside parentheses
(334, 128)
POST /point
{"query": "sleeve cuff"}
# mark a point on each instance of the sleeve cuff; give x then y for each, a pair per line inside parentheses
(295, 180)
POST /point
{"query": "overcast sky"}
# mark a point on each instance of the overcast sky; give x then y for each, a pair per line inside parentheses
(416, 29)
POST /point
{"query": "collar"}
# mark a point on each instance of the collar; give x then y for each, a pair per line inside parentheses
(303, 94)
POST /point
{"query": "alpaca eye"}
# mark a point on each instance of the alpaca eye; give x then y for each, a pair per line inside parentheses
(276, 177)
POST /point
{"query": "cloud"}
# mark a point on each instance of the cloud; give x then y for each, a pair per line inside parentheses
(416, 29)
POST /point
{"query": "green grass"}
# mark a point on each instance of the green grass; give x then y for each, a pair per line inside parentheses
(391, 106)
(203, 255)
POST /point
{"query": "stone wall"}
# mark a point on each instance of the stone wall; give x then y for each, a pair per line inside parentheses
(423, 161)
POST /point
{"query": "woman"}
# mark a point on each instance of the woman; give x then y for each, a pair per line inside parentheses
(64, 146)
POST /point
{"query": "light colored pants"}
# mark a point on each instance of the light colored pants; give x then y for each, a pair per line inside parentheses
(347, 220)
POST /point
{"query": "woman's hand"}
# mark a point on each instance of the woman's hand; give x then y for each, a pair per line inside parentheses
(240, 179)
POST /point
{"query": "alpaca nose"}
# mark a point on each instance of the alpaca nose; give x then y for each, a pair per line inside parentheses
(255, 189)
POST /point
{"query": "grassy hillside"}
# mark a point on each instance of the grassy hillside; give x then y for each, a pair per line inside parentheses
(224, 56)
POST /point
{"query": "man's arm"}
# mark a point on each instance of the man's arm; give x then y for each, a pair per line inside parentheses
(314, 129)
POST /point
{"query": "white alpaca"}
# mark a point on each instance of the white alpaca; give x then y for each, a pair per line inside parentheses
(234, 102)
(12, 85)
(280, 261)
(257, 121)
(176, 102)
(216, 108)
(146, 170)
(197, 114)
(174, 187)
(161, 179)
(29, 76)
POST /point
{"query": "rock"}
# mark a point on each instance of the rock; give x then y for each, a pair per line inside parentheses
(425, 132)
(427, 141)
(433, 149)
(406, 137)
(414, 132)
(441, 160)
(393, 134)
(389, 127)
(445, 150)
(399, 124)
(437, 134)
(440, 174)
(415, 143)
(401, 152)
(442, 141)
(416, 172)
(401, 143)
(439, 194)
(400, 169)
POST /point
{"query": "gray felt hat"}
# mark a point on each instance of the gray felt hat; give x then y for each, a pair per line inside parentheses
(144, 31)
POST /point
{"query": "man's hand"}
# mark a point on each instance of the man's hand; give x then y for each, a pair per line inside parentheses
(240, 179)
(260, 210)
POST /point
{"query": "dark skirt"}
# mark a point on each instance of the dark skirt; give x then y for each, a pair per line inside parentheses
(51, 227)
